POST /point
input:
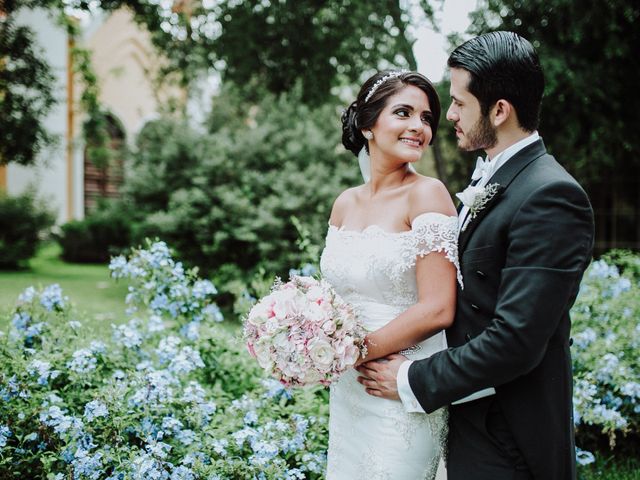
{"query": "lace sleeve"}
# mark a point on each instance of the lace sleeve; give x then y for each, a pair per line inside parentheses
(435, 232)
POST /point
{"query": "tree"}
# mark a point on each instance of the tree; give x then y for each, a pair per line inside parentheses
(274, 45)
(26, 95)
(591, 108)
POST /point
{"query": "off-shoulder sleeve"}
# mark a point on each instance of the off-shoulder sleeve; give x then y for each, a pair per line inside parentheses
(435, 232)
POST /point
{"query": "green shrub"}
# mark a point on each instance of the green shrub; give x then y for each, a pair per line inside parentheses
(23, 219)
(103, 233)
(227, 198)
(606, 348)
(171, 395)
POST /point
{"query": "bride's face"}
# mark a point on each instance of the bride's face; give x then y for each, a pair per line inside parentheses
(403, 128)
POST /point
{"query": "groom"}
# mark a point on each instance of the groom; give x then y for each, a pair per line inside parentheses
(526, 236)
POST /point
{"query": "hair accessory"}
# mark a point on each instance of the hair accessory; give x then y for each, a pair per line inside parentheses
(368, 134)
(376, 85)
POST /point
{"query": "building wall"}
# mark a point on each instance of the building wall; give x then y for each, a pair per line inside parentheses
(126, 63)
(49, 177)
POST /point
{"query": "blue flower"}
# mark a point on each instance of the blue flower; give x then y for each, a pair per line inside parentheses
(631, 389)
(127, 335)
(251, 418)
(21, 320)
(86, 465)
(168, 348)
(213, 311)
(182, 473)
(275, 389)
(314, 462)
(83, 361)
(585, 338)
(51, 298)
(155, 323)
(191, 330)
(43, 370)
(193, 392)
(583, 457)
(5, 433)
(601, 269)
(202, 289)
(27, 296)
(185, 361)
(186, 437)
(220, 446)
(95, 409)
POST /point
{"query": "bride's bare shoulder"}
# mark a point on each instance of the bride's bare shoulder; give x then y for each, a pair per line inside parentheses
(343, 203)
(428, 194)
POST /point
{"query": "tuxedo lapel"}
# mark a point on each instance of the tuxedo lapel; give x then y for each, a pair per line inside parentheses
(503, 177)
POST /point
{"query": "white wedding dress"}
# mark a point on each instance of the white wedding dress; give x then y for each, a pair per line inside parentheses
(372, 438)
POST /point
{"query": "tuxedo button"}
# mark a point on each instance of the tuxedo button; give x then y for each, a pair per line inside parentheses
(467, 337)
(570, 341)
(481, 274)
(475, 307)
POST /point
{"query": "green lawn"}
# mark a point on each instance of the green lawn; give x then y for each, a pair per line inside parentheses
(95, 295)
(610, 469)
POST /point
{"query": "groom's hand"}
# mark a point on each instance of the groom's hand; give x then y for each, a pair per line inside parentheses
(379, 376)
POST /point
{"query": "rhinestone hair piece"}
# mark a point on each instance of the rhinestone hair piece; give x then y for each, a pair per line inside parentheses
(376, 85)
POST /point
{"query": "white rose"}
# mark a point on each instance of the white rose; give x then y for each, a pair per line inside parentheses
(329, 327)
(322, 354)
(263, 355)
(281, 342)
(285, 304)
(315, 293)
(315, 313)
(260, 313)
(470, 194)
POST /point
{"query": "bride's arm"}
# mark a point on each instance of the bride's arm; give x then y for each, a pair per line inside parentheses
(435, 280)
(434, 310)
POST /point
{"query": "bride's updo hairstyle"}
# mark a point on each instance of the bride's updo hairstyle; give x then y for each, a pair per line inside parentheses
(374, 93)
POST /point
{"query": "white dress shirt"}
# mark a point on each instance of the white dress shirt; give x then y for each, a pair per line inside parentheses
(409, 400)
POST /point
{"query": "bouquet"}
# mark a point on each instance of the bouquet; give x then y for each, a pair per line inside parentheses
(303, 333)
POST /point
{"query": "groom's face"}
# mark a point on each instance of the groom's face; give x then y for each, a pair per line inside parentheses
(474, 131)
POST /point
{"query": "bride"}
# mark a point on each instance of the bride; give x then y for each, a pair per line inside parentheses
(391, 251)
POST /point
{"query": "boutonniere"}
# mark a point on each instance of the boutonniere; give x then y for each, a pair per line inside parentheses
(476, 198)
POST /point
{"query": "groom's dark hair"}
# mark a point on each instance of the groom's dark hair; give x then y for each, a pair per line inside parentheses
(503, 65)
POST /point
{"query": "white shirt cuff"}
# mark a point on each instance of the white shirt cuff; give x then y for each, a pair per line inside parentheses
(409, 400)
(485, 392)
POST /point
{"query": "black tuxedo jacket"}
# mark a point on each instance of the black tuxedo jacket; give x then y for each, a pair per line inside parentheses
(522, 259)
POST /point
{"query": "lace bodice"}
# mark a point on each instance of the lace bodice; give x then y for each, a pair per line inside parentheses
(378, 266)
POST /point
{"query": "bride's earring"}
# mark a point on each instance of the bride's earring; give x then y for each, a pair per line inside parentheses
(368, 134)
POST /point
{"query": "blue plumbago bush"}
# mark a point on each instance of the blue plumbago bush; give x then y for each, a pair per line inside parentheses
(606, 349)
(171, 395)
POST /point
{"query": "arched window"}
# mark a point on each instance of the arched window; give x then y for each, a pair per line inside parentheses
(104, 181)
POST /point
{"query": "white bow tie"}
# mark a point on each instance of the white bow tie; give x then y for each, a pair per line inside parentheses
(483, 168)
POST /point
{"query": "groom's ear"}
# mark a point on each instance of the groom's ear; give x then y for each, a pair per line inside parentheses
(501, 112)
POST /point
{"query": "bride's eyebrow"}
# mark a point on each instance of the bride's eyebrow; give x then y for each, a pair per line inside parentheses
(403, 105)
(408, 107)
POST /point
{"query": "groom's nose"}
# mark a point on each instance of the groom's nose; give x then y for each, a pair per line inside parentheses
(452, 115)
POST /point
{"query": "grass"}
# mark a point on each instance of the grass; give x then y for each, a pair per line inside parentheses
(611, 469)
(97, 298)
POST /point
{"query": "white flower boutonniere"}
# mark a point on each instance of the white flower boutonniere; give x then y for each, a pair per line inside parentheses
(475, 198)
